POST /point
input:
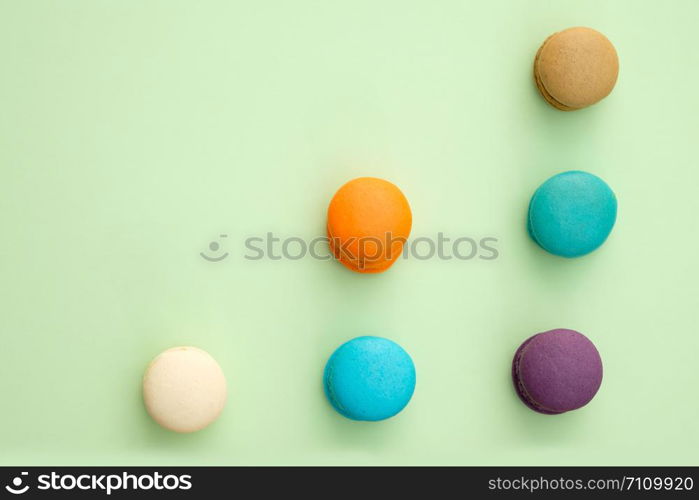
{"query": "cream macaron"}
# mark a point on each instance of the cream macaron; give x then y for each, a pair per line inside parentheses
(184, 389)
(576, 68)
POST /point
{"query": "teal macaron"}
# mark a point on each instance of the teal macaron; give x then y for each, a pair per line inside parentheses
(572, 214)
(369, 378)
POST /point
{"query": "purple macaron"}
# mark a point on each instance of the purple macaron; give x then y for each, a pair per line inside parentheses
(557, 371)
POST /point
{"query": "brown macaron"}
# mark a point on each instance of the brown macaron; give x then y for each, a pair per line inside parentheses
(575, 68)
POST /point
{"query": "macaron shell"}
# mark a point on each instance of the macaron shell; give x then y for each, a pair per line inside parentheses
(369, 219)
(519, 386)
(558, 370)
(542, 90)
(184, 389)
(572, 214)
(369, 378)
(576, 68)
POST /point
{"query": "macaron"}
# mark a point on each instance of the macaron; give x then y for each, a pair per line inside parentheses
(184, 389)
(369, 378)
(576, 68)
(572, 213)
(369, 220)
(557, 371)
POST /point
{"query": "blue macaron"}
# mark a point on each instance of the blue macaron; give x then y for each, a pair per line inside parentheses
(369, 378)
(572, 214)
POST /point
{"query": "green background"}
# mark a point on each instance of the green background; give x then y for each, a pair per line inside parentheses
(133, 133)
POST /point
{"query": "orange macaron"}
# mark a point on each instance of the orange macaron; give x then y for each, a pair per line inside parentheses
(369, 220)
